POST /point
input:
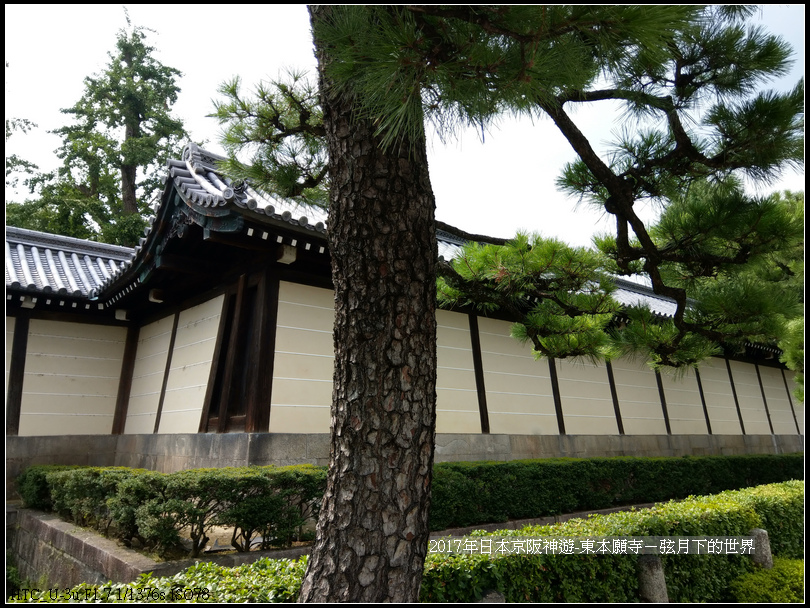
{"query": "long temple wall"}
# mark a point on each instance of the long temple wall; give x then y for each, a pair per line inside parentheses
(304, 360)
(147, 376)
(457, 409)
(71, 378)
(484, 378)
(190, 367)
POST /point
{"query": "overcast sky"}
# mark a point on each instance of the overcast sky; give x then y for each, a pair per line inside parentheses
(496, 187)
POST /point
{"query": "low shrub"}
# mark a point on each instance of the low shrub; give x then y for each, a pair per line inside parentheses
(264, 581)
(82, 494)
(32, 485)
(612, 578)
(470, 493)
(784, 583)
(520, 578)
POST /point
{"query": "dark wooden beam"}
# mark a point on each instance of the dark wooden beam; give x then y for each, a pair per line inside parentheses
(231, 355)
(166, 372)
(211, 389)
(478, 366)
(703, 401)
(189, 265)
(125, 381)
(262, 354)
(734, 393)
(764, 398)
(790, 402)
(614, 395)
(555, 391)
(16, 373)
(663, 397)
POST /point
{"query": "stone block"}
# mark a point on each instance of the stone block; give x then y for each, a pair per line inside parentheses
(272, 448)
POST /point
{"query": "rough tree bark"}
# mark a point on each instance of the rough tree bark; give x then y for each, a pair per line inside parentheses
(373, 530)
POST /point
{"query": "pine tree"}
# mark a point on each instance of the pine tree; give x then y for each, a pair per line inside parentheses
(122, 128)
(383, 70)
(560, 295)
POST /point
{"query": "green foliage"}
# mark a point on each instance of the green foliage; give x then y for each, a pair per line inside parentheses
(470, 493)
(467, 64)
(263, 581)
(690, 578)
(134, 491)
(541, 578)
(781, 509)
(559, 294)
(32, 485)
(792, 345)
(271, 502)
(782, 584)
(280, 133)
(114, 153)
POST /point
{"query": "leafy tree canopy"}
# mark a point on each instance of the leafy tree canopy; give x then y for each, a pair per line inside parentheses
(113, 153)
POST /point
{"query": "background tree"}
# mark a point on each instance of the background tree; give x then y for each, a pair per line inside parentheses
(122, 129)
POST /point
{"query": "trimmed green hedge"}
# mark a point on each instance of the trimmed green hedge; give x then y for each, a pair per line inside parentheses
(784, 583)
(612, 578)
(472, 493)
(273, 502)
(543, 578)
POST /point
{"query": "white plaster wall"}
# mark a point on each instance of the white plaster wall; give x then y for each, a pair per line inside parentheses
(749, 396)
(686, 416)
(778, 401)
(147, 375)
(719, 398)
(585, 396)
(519, 396)
(72, 371)
(304, 360)
(456, 394)
(639, 400)
(190, 367)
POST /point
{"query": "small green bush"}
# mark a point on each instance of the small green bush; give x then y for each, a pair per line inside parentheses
(32, 485)
(781, 508)
(784, 583)
(81, 495)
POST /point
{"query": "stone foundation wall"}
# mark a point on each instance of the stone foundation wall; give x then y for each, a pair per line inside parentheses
(51, 553)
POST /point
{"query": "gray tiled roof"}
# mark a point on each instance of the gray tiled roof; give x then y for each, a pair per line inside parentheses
(41, 263)
(197, 178)
(51, 264)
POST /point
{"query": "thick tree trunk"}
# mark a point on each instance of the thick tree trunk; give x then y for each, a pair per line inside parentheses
(373, 529)
(129, 174)
(128, 188)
